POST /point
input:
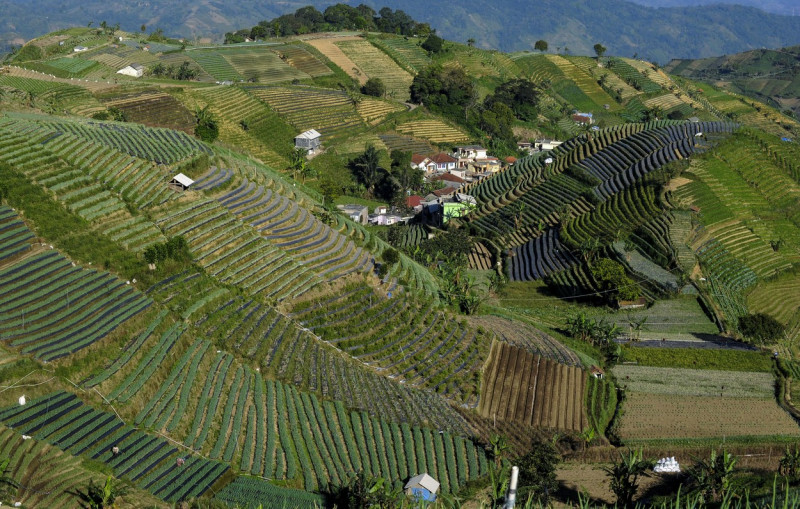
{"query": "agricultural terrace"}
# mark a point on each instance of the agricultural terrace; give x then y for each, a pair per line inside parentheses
(377, 64)
(266, 132)
(51, 307)
(527, 337)
(299, 58)
(405, 143)
(786, 309)
(250, 492)
(538, 68)
(633, 76)
(406, 52)
(696, 382)
(373, 111)
(720, 359)
(154, 109)
(49, 478)
(747, 111)
(148, 462)
(73, 169)
(433, 130)
(330, 112)
(478, 62)
(261, 65)
(407, 339)
(745, 196)
(75, 99)
(270, 429)
(328, 46)
(577, 72)
(523, 387)
(215, 65)
(688, 403)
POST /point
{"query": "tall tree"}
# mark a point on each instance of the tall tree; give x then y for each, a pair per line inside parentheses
(599, 50)
(367, 168)
(540, 45)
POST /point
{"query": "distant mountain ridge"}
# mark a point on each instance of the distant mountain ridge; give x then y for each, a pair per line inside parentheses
(574, 26)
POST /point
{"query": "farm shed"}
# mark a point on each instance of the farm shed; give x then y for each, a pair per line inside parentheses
(422, 487)
(134, 70)
(597, 372)
(632, 304)
(79, 49)
(181, 182)
(357, 213)
(309, 140)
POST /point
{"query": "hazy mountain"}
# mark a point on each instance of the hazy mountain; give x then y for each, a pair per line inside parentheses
(625, 28)
(786, 7)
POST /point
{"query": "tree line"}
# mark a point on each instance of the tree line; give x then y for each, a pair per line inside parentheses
(333, 19)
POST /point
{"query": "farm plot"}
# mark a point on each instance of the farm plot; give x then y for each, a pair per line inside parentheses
(154, 109)
(51, 308)
(259, 64)
(433, 130)
(373, 111)
(302, 60)
(215, 65)
(330, 112)
(527, 337)
(696, 403)
(696, 382)
(585, 81)
(63, 420)
(406, 143)
(250, 492)
(329, 48)
(407, 52)
(48, 477)
(669, 416)
(520, 386)
(678, 318)
(68, 67)
(377, 64)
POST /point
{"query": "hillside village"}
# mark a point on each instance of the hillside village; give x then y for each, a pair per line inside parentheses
(373, 267)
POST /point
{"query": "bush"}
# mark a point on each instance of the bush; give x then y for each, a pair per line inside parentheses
(374, 87)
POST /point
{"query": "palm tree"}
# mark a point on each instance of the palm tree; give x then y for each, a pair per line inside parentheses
(624, 475)
(713, 479)
(102, 496)
(369, 168)
(789, 466)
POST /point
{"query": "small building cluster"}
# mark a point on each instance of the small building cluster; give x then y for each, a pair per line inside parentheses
(381, 216)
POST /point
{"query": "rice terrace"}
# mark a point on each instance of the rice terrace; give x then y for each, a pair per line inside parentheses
(335, 260)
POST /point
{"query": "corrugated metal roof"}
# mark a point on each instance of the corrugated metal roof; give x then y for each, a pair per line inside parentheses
(424, 481)
(183, 180)
(309, 135)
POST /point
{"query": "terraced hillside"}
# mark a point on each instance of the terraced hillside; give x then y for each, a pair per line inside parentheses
(52, 308)
(544, 211)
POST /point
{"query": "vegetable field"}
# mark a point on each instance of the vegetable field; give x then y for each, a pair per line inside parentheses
(523, 387)
(699, 403)
(376, 63)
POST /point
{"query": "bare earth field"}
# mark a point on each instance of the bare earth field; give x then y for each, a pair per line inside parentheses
(653, 416)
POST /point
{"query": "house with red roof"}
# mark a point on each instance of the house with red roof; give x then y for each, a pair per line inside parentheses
(444, 162)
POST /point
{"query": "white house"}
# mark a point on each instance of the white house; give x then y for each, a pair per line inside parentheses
(78, 49)
(309, 140)
(444, 162)
(134, 70)
(423, 163)
(466, 154)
